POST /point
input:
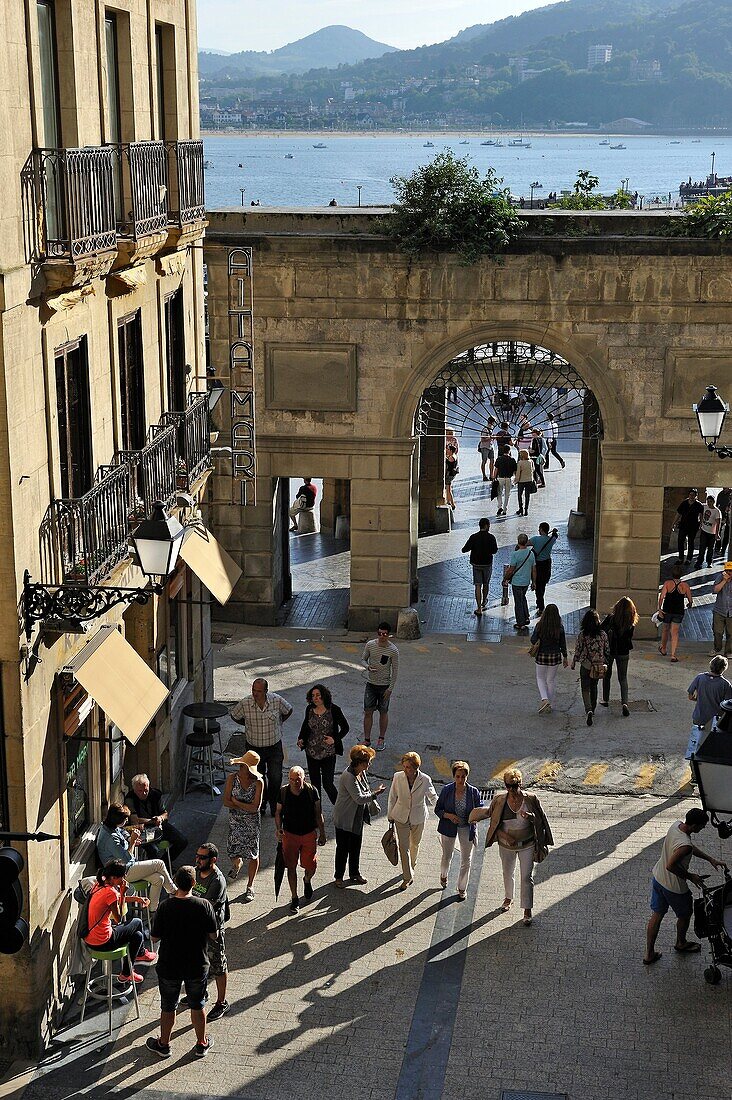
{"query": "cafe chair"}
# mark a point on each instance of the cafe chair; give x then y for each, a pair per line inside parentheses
(91, 985)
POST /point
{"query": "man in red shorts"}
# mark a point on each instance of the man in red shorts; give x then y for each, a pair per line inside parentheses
(298, 821)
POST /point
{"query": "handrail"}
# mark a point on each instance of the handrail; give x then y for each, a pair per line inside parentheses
(186, 201)
(142, 181)
(68, 202)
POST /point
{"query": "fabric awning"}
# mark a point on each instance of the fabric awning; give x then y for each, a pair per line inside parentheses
(210, 562)
(119, 681)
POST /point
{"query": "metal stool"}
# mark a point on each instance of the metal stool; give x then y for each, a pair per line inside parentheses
(200, 758)
(143, 889)
(212, 729)
(164, 849)
(107, 958)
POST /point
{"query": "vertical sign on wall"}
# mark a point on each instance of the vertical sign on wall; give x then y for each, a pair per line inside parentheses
(241, 374)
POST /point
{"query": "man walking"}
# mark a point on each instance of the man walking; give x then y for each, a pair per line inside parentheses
(538, 451)
(722, 613)
(552, 432)
(482, 547)
(670, 880)
(711, 518)
(381, 658)
(523, 572)
(300, 828)
(305, 498)
(505, 469)
(211, 886)
(262, 714)
(707, 691)
(688, 518)
(183, 925)
(543, 544)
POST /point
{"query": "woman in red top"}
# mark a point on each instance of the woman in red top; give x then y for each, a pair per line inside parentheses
(108, 928)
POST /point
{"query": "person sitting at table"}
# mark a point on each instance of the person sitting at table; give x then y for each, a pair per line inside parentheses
(147, 809)
(116, 839)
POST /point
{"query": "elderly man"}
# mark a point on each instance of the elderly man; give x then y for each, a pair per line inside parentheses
(298, 820)
(116, 840)
(147, 809)
(262, 714)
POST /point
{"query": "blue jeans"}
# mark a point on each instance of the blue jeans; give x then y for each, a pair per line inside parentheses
(520, 604)
(196, 992)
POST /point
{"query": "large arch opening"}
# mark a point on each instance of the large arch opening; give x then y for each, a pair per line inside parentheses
(505, 392)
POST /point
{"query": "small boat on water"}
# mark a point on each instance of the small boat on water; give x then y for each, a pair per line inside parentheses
(428, 145)
(289, 156)
(208, 164)
(620, 146)
(488, 142)
(320, 145)
(605, 141)
(674, 143)
(465, 142)
(696, 141)
(519, 143)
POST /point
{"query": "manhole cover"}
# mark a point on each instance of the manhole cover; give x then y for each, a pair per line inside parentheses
(220, 639)
(579, 586)
(522, 1094)
(432, 748)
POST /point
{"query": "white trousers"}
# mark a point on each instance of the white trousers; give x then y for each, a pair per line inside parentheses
(298, 506)
(525, 858)
(546, 681)
(504, 492)
(466, 856)
(155, 872)
(409, 837)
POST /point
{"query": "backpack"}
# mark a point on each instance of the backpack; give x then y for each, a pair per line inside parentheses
(83, 928)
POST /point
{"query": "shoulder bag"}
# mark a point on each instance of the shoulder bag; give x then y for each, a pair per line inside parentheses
(390, 846)
(510, 571)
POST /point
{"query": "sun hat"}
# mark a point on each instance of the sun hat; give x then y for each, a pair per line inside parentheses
(728, 565)
(250, 760)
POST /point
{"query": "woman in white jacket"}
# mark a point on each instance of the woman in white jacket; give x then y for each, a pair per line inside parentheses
(410, 794)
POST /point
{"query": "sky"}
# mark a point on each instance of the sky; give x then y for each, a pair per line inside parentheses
(234, 25)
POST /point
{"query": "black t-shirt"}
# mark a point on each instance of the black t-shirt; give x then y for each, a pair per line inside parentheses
(482, 547)
(298, 810)
(182, 925)
(691, 514)
(152, 806)
(506, 466)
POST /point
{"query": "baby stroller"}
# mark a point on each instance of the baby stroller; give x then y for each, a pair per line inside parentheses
(713, 921)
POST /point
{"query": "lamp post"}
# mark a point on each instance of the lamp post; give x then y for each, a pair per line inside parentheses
(359, 187)
(714, 156)
(712, 768)
(535, 186)
(243, 190)
(711, 413)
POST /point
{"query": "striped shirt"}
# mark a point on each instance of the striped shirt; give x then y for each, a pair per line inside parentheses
(263, 725)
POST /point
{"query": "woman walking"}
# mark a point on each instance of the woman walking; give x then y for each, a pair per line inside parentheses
(451, 471)
(673, 599)
(550, 649)
(592, 651)
(410, 793)
(519, 825)
(619, 626)
(525, 483)
(321, 736)
(349, 813)
(243, 798)
(454, 806)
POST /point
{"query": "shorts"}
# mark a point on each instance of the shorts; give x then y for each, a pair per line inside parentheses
(482, 574)
(196, 992)
(662, 900)
(217, 955)
(306, 847)
(672, 617)
(373, 698)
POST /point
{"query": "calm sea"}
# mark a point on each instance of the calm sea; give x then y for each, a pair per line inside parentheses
(312, 177)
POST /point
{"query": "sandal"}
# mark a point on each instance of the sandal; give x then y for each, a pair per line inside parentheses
(674, 660)
(662, 651)
(653, 959)
(688, 948)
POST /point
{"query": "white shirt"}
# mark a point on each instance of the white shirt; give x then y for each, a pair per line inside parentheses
(410, 805)
(263, 726)
(675, 839)
(711, 518)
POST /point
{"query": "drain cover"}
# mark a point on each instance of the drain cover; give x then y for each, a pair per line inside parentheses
(579, 586)
(220, 639)
(523, 1094)
(432, 748)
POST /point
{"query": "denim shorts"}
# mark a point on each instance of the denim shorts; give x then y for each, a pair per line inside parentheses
(373, 698)
(196, 992)
(662, 900)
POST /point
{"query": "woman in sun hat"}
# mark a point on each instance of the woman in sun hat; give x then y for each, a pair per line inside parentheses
(243, 798)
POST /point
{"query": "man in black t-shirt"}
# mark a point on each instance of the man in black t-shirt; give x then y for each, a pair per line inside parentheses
(298, 820)
(482, 547)
(688, 521)
(211, 885)
(184, 925)
(505, 469)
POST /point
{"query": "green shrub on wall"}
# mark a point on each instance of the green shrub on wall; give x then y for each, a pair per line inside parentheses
(710, 217)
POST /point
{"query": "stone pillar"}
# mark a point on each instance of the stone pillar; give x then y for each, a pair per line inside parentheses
(582, 523)
(248, 535)
(432, 467)
(335, 502)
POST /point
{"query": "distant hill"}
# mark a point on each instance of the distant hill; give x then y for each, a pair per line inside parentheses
(325, 49)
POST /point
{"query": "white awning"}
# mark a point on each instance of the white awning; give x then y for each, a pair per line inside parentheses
(210, 562)
(119, 681)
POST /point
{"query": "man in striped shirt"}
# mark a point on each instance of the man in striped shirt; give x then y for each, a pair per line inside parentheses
(262, 714)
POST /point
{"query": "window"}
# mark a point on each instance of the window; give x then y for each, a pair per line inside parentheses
(175, 353)
(78, 778)
(74, 418)
(166, 118)
(176, 649)
(160, 81)
(114, 113)
(132, 383)
(50, 121)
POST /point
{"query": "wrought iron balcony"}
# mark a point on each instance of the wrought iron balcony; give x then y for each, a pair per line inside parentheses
(194, 439)
(68, 203)
(141, 188)
(185, 183)
(154, 470)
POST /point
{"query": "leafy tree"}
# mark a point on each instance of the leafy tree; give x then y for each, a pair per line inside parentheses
(445, 206)
(583, 196)
(710, 217)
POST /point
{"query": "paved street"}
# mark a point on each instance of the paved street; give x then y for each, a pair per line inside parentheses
(392, 996)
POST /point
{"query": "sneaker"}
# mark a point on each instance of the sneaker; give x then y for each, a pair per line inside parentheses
(603, 703)
(127, 979)
(146, 958)
(589, 717)
(380, 745)
(154, 1044)
(218, 1010)
(294, 907)
(545, 705)
(626, 710)
(248, 894)
(201, 1049)
(307, 890)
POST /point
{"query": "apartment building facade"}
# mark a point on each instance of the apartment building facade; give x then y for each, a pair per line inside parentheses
(103, 410)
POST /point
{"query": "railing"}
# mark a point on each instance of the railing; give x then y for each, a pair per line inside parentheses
(84, 539)
(68, 203)
(154, 470)
(194, 440)
(142, 177)
(185, 182)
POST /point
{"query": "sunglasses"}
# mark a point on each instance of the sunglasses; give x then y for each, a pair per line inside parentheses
(202, 859)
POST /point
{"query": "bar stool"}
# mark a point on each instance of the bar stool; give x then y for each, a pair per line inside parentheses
(199, 758)
(143, 889)
(107, 959)
(164, 849)
(203, 729)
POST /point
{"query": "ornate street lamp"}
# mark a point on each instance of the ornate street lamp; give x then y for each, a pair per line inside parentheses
(710, 414)
(157, 542)
(712, 768)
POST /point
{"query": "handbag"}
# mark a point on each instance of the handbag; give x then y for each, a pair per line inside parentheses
(505, 583)
(390, 846)
(495, 488)
(533, 649)
(597, 671)
(532, 487)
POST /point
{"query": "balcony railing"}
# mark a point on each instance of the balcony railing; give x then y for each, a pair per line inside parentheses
(194, 440)
(141, 188)
(185, 182)
(68, 203)
(154, 470)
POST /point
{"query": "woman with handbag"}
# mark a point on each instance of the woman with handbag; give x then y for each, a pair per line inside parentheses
(526, 485)
(549, 650)
(593, 653)
(519, 825)
(321, 736)
(410, 794)
(456, 802)
(619, 626)
(352, 808)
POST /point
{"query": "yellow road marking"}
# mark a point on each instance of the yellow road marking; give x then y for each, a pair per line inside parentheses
(422, 648)
(686, 780)
(595, 774)
(645, 776)
(442, 766)
(285, 645)
(548, 771)
(485, 649)
(502, 766)
(454, 649)
(350, 648)
(319, 646)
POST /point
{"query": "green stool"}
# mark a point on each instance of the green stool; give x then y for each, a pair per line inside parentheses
(142, 888)
(107, 959)
(163, 847)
